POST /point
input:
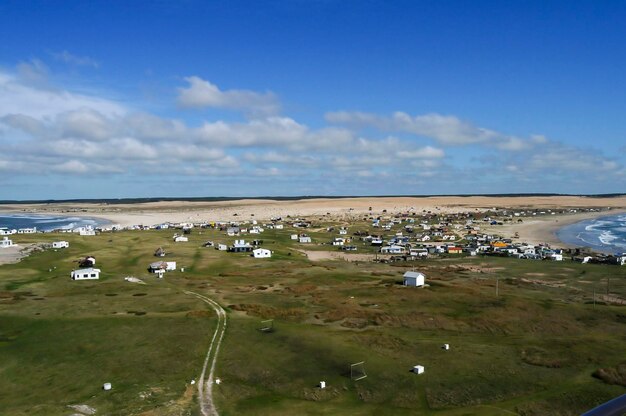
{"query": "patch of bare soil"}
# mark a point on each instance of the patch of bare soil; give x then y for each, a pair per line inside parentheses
(542, 282)
(267, 312)
(338, 255)
(541, 358)
(612, 375)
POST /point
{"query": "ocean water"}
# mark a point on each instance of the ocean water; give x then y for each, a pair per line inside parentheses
(47, 222)
(605, 234)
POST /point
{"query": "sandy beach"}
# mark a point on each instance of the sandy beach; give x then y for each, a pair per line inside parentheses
(15, 253)
(536, 230)
(543, 230)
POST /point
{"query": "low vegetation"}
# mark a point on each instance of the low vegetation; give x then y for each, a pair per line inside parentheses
(542, 346)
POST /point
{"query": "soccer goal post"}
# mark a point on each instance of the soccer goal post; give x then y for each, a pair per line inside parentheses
(357, 371)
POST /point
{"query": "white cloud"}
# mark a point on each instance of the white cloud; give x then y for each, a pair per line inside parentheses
(33, 72)
(85, 123)
(427, 152)
(46, 130)
(68, 58)
(201, 93)
(447, 130)
(17, 97)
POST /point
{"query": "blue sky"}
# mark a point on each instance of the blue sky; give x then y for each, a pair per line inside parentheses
(196, 98)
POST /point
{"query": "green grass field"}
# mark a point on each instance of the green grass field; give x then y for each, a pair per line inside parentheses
(531, 350)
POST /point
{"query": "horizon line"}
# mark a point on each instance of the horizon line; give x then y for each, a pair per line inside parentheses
(284, 198)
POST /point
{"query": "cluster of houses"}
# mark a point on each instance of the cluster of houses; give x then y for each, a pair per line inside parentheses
(87, 271)
(7, 231)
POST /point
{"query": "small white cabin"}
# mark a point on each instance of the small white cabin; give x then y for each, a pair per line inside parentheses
(418, 369)
(162, 265)
(415, 279)
(304, 239)
(86, 231)
(60, 244)
(180, 239)
(85, 274)
(261, 253)
(5, 242)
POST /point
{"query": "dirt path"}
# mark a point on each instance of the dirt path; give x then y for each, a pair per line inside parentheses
(205, 386)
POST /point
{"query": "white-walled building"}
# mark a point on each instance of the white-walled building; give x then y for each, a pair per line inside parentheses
(85, 274)
(5, 242)
(27, 230)
(304, 239)
(60, 244)
(415, 279)
(167, 266)
(180, 239)
(261, 253)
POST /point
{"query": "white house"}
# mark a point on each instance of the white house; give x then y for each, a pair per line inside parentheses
(413, 279)
(261, 253)
(86, 231)
(27, 230)
(60, 244)
(6, 231)
(418, 369)
(279, 226)
(5, 242)
(85, 274)
(162, 265)
(180, 239)
(418, 251)
(393, 250)
(304, 239)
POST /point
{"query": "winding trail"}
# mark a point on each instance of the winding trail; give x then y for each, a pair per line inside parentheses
(205, 385)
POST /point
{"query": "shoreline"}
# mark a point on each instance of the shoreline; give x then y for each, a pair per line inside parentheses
(533, 230)
(151, 213)
(543, 230)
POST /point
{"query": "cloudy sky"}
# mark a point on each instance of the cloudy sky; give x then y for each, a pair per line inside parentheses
(113, 99)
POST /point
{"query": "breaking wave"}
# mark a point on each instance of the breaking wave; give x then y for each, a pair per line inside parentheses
(47, 222)
(606, 234)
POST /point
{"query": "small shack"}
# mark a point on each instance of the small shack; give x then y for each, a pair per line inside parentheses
(415, 279)
(162, 265)
(60, 244)
(85, 274)
(5, 242)
(261, 253)
(418, 369)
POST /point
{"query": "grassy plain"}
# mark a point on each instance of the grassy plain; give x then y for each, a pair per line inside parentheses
(531, 350)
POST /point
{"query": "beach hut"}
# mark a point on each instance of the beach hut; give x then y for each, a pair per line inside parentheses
(415, 279)
(85, 274)
(418, 369)
(261, 253)
(5, 242)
